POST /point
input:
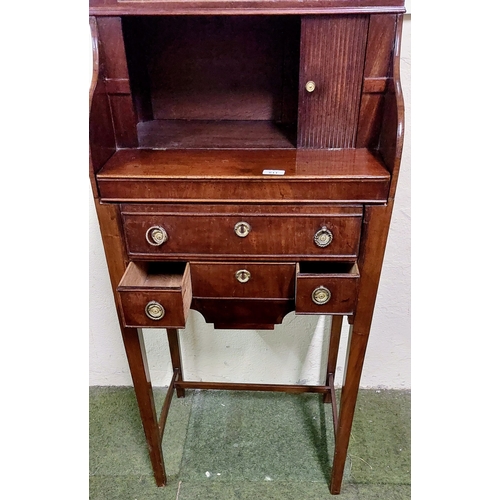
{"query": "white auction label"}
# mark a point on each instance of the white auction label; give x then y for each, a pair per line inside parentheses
(273, 172)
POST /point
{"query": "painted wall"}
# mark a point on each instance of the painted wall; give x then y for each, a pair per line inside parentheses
(296, 350)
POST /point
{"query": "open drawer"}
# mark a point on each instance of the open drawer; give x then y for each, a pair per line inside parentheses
(155, 294)
(326, 287)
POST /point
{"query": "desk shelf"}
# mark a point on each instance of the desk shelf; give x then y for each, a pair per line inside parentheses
(212, 134)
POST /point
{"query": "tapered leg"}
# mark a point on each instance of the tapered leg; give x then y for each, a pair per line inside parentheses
(136, 354)
(357, 349)
(333, 352)
(374, 238)
(175, 354)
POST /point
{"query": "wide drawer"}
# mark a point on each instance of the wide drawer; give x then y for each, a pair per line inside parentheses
(187, 232)
(243, 280)
(155, 294)
(326, 288)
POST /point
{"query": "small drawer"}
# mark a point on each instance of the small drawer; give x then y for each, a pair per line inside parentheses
(155, 294)
(326, 288)
(243, 280)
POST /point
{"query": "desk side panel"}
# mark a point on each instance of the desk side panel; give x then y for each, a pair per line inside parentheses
(101, 131)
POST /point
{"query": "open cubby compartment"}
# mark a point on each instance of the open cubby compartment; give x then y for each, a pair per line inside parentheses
(214, 82)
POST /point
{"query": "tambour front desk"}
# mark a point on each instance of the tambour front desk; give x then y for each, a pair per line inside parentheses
(244, 157)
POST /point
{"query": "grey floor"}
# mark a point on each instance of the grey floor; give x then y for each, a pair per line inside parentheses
(225, 445)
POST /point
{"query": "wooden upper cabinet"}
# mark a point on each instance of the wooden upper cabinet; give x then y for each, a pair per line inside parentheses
(300, 82)
(280, 81)
(332, 55)
(245, 81)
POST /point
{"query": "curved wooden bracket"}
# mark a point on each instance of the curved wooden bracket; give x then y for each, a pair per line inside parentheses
(95, 58)
(392, 133)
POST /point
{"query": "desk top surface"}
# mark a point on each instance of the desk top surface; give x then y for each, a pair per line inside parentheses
(244, 164)
(241, 7)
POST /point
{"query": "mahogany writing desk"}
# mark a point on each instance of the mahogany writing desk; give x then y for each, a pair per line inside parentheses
(244, 157)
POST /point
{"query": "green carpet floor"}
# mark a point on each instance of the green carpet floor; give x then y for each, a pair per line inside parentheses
(224, 445)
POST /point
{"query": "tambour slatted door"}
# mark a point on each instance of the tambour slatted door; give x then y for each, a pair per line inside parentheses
(332, 56)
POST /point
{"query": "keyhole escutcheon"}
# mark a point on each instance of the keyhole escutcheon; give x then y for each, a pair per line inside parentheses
(242, 229)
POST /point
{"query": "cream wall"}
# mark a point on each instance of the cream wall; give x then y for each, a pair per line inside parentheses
(295, 351)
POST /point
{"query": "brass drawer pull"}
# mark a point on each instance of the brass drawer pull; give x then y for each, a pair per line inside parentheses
(243, 275)
(310, 86)
(154, 310)
(156, 236)
(323, 237)
(242, 229)
(321, 295)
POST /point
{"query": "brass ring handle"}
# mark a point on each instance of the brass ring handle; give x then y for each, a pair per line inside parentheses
(154, 310)
(243, 275)
(310, 86)
(323, 237)
(242, 229)
(321, 295)
(156, 236)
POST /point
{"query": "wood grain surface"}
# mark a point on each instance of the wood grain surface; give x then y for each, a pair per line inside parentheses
(199, 121)
(332, 56)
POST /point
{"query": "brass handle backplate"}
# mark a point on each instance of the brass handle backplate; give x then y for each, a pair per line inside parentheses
(156, 236)
(310, 86)
(323, 237)
(242, 229)
(154, 310)
(321, 295)
(243, 275)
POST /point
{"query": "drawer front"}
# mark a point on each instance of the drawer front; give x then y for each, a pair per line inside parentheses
(324, 288)
(243, 280)
(155, 295)
(154, 236)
